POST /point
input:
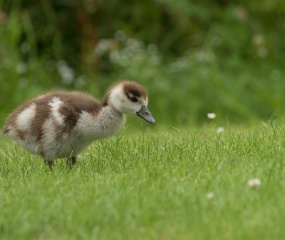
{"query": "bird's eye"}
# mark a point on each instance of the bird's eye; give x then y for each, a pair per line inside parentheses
(133, 99)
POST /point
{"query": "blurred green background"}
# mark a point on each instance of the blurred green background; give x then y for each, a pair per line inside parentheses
(193, 57)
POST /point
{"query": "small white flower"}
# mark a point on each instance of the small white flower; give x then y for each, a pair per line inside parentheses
(220, 130)
(210, 196)
(211, 115)
(254, 183)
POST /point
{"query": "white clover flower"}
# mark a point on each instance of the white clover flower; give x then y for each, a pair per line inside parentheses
(254, 182)
(210, 196)
(211, 115)
(220, 130)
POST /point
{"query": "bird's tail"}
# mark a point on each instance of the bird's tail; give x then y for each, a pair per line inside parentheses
(4, 131)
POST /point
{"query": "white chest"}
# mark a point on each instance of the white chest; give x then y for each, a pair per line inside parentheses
(88, 129)
(106, 123)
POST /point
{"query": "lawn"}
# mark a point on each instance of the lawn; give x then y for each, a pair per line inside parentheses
(167, 184)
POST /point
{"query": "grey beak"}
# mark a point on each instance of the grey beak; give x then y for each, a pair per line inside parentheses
(146, 115)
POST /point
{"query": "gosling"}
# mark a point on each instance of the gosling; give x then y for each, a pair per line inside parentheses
(62, 124)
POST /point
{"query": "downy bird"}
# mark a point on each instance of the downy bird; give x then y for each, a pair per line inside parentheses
(61, 124)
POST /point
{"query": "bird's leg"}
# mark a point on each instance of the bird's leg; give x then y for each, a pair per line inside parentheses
(71, 161)
(49, 163)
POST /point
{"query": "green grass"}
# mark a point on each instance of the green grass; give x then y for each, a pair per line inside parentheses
(151, 185)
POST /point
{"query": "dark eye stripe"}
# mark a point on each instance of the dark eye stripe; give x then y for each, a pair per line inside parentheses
(133, 99)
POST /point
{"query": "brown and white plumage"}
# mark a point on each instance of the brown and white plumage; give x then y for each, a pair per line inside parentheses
(62, 124)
